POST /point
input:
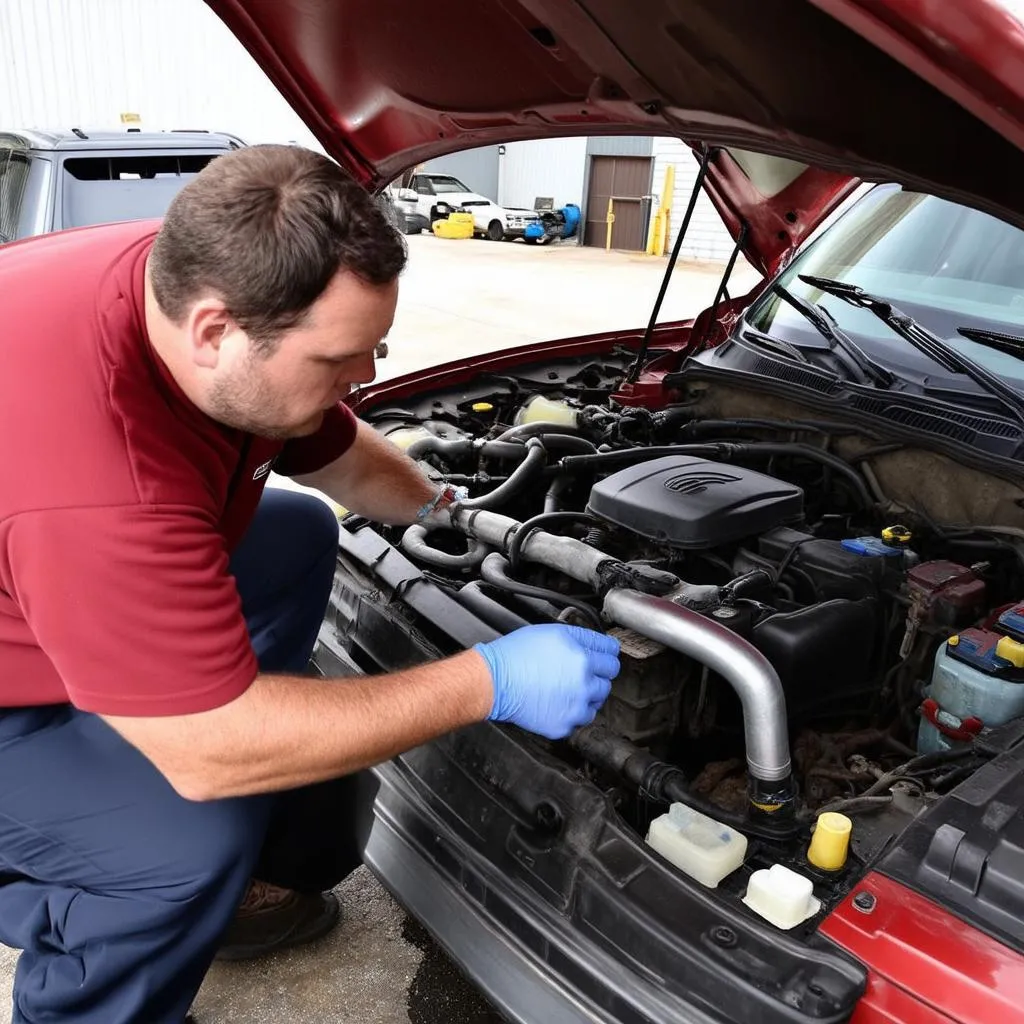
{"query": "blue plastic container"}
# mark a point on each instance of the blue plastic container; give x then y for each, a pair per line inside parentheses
(976, 684)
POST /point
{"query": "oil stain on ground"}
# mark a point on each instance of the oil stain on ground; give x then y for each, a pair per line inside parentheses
(440, 992)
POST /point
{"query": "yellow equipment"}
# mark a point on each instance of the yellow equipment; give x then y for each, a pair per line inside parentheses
(457, 225)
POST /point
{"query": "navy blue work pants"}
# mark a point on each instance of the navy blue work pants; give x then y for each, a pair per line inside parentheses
(116, 888)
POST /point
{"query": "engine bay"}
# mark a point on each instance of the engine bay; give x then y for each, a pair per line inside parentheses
(800, 632)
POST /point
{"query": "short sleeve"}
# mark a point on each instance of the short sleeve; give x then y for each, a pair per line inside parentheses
(133, 605)
(308, 454)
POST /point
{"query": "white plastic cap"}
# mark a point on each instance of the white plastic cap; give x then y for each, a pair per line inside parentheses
(781, 896)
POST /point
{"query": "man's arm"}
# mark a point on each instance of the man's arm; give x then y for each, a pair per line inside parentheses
(287, 731)
(375, 479)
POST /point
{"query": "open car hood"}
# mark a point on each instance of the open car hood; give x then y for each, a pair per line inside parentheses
(924, 92)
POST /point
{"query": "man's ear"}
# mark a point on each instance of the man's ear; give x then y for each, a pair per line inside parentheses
(207, 324)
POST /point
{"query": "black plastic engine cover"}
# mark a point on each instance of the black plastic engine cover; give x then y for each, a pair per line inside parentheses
(688, 502)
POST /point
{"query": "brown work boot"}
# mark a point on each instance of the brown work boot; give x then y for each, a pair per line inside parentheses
(271, 918)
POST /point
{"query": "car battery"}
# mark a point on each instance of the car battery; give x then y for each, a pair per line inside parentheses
(943, 595)
(851, 569)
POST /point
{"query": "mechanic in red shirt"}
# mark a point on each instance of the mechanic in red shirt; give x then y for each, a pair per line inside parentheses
(171, 783)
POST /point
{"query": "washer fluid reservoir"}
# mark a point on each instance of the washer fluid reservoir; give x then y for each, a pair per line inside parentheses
(977, 683)
(699, 846)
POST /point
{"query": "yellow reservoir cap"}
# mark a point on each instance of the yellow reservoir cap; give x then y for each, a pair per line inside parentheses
(830, 843)
(1012, 650)
(897, 535)
(482, 407)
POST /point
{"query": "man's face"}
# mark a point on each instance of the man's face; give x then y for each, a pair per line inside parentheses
(312, 367)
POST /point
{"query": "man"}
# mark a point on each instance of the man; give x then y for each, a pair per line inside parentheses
(162, 756)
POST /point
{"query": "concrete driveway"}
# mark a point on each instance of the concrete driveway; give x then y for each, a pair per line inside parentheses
(457, 297)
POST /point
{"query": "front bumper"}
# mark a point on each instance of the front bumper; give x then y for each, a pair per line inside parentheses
(525, 964)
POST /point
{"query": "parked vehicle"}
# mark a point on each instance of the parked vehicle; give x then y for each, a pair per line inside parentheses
(800, 512)
(56, 179)
(437, 195)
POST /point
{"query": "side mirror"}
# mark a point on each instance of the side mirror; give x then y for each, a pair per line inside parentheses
(408, 194)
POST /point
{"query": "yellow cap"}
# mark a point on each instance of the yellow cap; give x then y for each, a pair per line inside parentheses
(896, 535)
(830, 842)
(481, 407)
(953, 640)
(1012, 650)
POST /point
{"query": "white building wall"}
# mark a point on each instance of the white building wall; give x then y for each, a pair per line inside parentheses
(81, 63)
(706, 238)
(544, 167)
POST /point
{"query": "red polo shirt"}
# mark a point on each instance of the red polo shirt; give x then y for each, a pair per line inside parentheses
(119, 500)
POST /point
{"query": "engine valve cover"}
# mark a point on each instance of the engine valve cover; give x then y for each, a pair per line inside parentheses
(688, 502)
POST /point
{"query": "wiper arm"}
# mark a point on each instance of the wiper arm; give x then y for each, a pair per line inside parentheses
(922, 339)
(824, 323)
(1011, 344)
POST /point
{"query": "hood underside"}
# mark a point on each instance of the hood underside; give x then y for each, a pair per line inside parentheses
(925, 92)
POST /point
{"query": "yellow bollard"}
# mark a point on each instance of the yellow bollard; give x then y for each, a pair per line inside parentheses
(657, 240)
(610, 221)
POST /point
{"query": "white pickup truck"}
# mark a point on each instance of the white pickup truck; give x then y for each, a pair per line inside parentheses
(431, 197)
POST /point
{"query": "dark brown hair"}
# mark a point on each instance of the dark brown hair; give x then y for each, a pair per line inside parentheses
(267, 228)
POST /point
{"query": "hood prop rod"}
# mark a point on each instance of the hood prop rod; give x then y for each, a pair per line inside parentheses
(645, 344)
(722, 292)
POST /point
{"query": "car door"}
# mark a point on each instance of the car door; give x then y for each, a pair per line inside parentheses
(423, 188)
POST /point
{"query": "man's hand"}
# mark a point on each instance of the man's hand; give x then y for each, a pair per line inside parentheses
(550, 679)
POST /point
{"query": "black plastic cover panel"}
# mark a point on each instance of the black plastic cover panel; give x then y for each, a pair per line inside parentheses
(967, 852)
(688, 502)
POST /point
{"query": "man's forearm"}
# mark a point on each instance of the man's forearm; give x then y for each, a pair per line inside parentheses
(375, 479)
(287, 731)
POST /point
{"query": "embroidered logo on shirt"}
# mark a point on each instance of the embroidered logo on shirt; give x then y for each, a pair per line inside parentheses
(264, 470)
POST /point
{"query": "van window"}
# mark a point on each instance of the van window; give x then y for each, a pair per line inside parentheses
(14, 168)
(105, 189)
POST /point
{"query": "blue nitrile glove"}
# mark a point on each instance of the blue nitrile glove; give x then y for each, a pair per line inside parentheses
(550, 679)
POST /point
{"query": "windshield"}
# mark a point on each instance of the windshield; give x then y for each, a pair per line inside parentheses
(442, 185)
(946, 265)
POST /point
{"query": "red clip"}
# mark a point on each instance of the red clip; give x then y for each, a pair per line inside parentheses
(964, 733)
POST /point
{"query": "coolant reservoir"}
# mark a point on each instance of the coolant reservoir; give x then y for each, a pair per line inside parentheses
(404, 436)
(699, 846)
(546, 410)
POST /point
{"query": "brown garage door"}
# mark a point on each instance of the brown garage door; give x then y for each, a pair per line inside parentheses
(628, 179)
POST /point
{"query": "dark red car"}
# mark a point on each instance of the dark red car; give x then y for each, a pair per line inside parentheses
(802, 513)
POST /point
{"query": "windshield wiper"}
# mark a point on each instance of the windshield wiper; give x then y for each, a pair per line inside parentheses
(922, 339)
(1011, 344)
(825, 324)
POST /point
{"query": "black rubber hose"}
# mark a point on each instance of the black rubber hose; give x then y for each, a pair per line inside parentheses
(415, 543)
(494, 614)
(657, 780)
(450, 451)
(696, 428)
(726, 451)
(533, 429)
(494, 570)
(554, 442)
(503, 450)
(526, 473)
(556, 492)
(544, 520)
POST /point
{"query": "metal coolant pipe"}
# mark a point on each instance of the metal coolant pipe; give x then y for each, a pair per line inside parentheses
(744, 667)
(747, 671)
